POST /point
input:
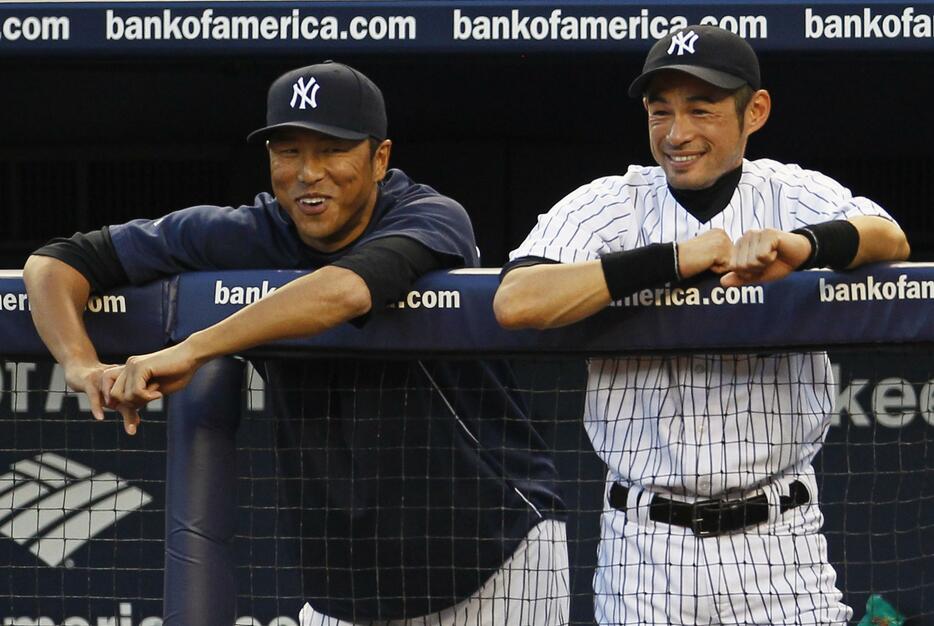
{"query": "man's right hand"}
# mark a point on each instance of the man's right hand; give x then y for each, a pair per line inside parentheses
(58, 294)
(710, 250)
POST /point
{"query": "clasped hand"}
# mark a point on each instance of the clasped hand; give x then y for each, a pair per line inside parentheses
(128, 388)
(757, 256)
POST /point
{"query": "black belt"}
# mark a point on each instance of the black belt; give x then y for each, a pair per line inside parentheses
(713, 517)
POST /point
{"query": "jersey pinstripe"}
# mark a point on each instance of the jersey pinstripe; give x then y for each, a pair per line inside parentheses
(699, 426)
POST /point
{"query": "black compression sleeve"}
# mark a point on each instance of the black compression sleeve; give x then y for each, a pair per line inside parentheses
(629, 271)
(390, 265)
(93, 255)
(523, 261)
(834, 244)
(626, 272)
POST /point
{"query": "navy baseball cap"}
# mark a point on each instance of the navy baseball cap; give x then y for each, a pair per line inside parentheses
(331, 98)
(712, 54)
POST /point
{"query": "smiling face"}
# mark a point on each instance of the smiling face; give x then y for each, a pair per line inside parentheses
(695, 132)
(327, 185)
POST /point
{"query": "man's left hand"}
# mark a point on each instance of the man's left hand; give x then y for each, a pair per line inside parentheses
(765, 255)
(146, 378)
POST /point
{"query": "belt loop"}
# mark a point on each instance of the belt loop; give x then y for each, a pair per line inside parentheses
(810, 481)
(632, 498)
(774, 492)
(637, 505)
(783, 490)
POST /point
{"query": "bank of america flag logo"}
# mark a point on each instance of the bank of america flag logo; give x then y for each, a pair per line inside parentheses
(53, 505)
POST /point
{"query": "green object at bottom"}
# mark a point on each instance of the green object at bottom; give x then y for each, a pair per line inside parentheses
(881, 613)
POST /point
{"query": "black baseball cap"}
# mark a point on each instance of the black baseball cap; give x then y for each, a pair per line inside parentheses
(331, 98)
(712, 54)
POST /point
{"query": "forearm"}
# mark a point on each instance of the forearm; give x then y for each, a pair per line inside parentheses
(58, 295)
(879, 240)
(306, 306)
(550, 295)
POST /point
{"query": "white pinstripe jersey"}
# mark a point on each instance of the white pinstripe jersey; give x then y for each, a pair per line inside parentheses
(699, 426)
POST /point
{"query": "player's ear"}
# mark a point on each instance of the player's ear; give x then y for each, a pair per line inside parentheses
(757, 111)
(381, 159)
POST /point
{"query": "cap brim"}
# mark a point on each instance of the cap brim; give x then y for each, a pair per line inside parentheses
(714, 77)
(325, 129)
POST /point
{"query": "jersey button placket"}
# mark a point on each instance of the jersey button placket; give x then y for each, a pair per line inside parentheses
(695, 417)
(703, 382)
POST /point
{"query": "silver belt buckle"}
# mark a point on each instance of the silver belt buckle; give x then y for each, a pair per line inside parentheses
(718, 508)
(698, 528)
(697, 519)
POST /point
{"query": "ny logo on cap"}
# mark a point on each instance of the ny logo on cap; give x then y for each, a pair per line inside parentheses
(684, 41)
(300, 93)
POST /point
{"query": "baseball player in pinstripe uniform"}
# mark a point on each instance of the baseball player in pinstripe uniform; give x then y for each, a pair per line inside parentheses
(712, 513)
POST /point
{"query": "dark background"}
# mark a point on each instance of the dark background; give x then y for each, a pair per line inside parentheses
(88, 142)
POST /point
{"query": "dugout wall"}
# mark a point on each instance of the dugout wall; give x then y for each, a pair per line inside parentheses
(101, 554)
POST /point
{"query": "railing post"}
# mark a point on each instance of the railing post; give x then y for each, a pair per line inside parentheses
(201, 497)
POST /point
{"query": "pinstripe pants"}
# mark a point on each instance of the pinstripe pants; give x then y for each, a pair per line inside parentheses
(774, 573)
(530, 589)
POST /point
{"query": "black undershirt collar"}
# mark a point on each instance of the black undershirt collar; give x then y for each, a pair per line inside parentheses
(703, 204)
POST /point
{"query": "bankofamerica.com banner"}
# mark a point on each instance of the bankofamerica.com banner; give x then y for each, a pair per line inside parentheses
(427, 26)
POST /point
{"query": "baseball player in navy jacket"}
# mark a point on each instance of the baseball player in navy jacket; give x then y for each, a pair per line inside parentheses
(404, 513)
(711, 512)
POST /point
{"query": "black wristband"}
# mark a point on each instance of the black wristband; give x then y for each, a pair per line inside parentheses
(833, 244)
(628, 271)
